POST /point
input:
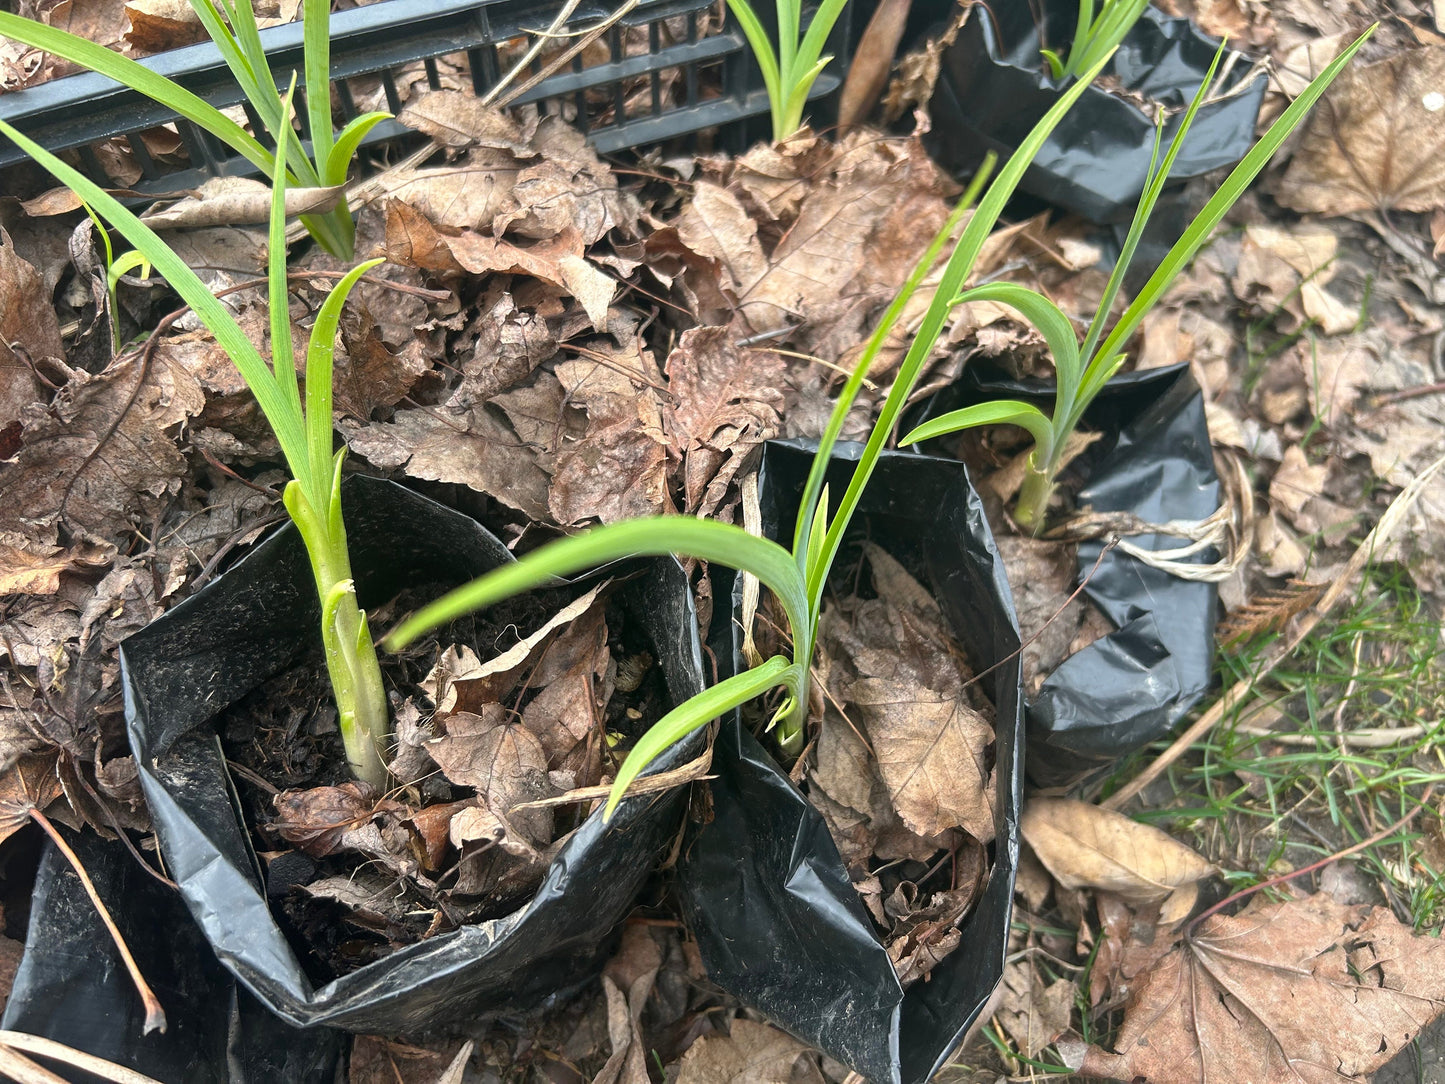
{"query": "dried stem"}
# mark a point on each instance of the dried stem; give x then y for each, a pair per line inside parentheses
(13, 1041)
(155, 1015)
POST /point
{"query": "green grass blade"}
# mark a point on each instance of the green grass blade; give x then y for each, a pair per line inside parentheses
(316, 33)
(763, 51)
(1052, 324)
(655, 536)
(816, 39)
(215, 316)
(797, 100)
(996, 412)
(955, 273)
(1153, 189)
(1083, 28)
(258, 92)
(790, 14)
(320, 359)
(1229, 192)
(813, 488)
(1056, 66)
(695, 713)
(283, 355)
(337, 163)
(140, 79)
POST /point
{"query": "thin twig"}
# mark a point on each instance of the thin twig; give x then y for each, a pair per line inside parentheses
(155, 1015)
(1284, 877)
(1238, 692)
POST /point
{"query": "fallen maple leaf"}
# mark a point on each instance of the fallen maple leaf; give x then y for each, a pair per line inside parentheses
(1086, 846)
(1305, 990)
(1376, 142)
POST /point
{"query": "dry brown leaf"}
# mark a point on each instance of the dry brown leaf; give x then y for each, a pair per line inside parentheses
(618, 468)
(32, 782)
(101, 453)
(872, 61)
(1289, 268)
(237, 201)
(29, 336)
(933, 748)
(724, 403)
(319, 819)
(158, 25)
(1296, 485)
(474, 448)
(1034, 1013)
(367, 374)
(715, 224)
(457, 119)
(753, 1054)
(627, 983)
(499, 758)
(509, 344)
(1305, 990)
(1376, 142)
(1086, 846)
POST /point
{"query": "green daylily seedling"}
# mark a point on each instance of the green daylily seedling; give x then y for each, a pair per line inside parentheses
(797, 576)
(1084, 369)
(238, 38)
(789, 72)
(313, 496)
(1096, 38)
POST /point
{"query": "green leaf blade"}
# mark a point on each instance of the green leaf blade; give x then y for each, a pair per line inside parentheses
(656, 536)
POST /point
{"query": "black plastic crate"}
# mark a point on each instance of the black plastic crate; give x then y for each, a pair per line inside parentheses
(621, 93)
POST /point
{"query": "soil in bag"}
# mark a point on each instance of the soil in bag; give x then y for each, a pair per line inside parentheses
(1124, 662)
(73, 987)
(994, 85)
(466, 890)
(884, 965)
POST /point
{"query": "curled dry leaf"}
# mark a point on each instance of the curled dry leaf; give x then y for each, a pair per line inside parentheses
(238, 201)
(1085, 846)
(318, 820)
(499, 758)
(724, 402)
(1376, 142)
(1307, 989)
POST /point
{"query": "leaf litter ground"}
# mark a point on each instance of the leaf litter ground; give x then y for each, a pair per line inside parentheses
(557, 342)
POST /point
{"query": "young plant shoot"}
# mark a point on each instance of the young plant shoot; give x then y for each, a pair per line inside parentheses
(789, 72)
(1084, 368)
(235, 33)
(797, 576)
(313, 496)
(1096, 38)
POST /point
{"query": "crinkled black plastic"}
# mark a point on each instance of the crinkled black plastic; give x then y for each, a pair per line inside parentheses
(762, 886)
(1154, 460)
(993, 88)
(238, 631)
(73, 987)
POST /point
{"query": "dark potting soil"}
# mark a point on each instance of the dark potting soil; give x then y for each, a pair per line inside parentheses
(284, 739)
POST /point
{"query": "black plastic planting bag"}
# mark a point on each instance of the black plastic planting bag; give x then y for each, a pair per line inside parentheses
(245, 627)
(778, 923)
(72, 985)
(993, 88)
(1154, 460)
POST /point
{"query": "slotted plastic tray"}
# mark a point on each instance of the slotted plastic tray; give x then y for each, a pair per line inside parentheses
(667, 69)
